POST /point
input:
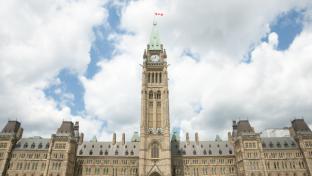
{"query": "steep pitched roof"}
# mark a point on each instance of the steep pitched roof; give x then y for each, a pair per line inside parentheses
(244, 127)
(11, 127)
(129, 149)
(203, 148)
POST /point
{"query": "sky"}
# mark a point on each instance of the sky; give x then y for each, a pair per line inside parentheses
(79, 60)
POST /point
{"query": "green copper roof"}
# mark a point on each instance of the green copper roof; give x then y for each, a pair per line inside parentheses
(175, 136)
(154, 42)
(94, 139)
(135, 137)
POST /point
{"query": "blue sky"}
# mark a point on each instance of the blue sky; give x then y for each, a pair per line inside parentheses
(89, 70)
(287, 25)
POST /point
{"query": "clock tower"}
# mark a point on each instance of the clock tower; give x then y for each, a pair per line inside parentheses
(155, 154)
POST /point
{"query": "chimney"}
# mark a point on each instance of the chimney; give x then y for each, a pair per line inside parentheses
(76, 129)
(123, 140)
(196, 138)
(234, 125)
(187, 138)
(81, 138)
(114, 139)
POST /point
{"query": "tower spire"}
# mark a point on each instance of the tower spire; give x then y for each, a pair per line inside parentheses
(154, 43)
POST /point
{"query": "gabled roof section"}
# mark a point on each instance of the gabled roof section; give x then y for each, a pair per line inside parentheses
(278, 143)
(11, 127)
(154, 43)
(33, 143)
(129, 149)
(67, 128)
(203, 148)
(300, 125)
(244, 127)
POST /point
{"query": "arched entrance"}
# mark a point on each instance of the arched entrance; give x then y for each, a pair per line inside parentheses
(155, 174)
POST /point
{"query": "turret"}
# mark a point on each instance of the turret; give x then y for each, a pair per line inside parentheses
(10, 134)
(64, 141)
(301, 132)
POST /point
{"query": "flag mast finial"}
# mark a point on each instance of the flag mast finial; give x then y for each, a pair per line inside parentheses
(157, 14)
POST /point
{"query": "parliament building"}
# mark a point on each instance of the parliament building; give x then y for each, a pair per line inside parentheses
(155, 151)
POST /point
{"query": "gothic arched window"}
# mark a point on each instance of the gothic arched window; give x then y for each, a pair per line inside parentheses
(152, 77)
(158, 95)
(149, 78)
(150, 95)
(155, 150)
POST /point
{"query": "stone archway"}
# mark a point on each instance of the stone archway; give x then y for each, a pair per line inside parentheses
(155, 174)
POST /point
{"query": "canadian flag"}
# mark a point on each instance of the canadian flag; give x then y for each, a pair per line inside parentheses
(159, 14)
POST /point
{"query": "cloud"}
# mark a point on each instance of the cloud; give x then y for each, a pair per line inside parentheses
(269, 91)
(37, 40)
(205, 41)
(207, 92)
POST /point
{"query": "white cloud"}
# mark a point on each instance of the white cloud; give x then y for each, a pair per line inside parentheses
(207, 93)
(40, 38)
(37, 40)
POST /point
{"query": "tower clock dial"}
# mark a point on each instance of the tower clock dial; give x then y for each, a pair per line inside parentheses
(155, 58)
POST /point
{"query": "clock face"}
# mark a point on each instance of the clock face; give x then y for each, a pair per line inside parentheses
(155, 58)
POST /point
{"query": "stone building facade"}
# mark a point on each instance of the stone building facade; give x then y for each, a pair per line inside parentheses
(156, 152)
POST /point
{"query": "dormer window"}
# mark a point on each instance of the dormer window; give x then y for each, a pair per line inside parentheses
(278, 145)
(33, 145)
(40, 146)
(18, 145)
(116, 152)
(91, 152)
(101, 152)
(106, 152)
(80, 152)
(26, 145)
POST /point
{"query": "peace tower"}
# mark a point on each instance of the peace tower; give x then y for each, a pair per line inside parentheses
(155, 154)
